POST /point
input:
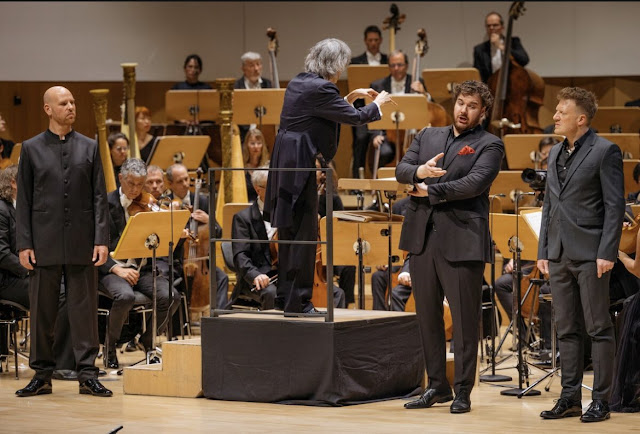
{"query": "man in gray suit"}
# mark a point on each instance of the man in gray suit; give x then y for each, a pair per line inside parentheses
(581, 226)
(446, 230)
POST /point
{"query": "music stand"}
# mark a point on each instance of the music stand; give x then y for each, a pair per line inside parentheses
(186, 150)
(509, 183)
(440, 81)
(617, 119)
(181, 105)
(390, 187)
(628, 142)
(518, 148)
(151, 231)
(259, 106)
(361, 76)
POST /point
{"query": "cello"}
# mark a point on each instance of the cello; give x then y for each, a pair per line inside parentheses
(518, 92)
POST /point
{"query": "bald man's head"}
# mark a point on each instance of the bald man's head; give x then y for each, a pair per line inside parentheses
(60, 106)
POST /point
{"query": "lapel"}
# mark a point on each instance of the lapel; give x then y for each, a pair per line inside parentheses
(117, 214)
(386, 84)
(12, 212)
(579, 158)
(407, 84)
(439, 145)
(258, 226)
(452, 153)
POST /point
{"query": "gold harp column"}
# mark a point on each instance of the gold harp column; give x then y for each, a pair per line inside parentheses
(100, 111)
(129, 77)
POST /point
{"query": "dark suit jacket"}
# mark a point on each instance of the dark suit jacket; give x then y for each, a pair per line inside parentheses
(362, 59)
(385, 84)
(9, 262)
(458, 202)
(309, 121)
(249, 259)
(482, 57)
(203, 205)
(62, 210)
(584, 217)
(239, 84)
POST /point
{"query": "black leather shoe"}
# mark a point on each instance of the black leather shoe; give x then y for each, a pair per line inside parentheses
(428, 398)
(35, 387)
(112, 359)
(93, 387)
(132, 346)
(597, 411)
(564, 408)
(65, 374)
(462, 403)
(310, 312)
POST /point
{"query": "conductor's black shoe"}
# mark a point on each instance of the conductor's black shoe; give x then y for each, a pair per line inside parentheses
(564, 408)
(93, 387)
(65, 374)
(462, 403)
(35, 387)
(312, 311)
(597, 411)
(112, 359)
(428, 398)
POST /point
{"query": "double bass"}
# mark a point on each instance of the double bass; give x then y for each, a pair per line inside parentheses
(272, 47)
(518, 92)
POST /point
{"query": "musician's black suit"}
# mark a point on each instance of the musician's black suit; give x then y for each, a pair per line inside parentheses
(62, 213)
(482, 57)
(309, 125)
(362, 59)
(582, 222)
(239, 84)
(447, 234)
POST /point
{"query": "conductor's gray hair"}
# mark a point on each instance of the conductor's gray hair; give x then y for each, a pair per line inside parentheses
(134, 167)
(328, 58)
(250, 55)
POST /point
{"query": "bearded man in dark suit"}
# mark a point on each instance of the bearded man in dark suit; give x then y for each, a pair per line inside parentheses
(446, 230)
(62, 227)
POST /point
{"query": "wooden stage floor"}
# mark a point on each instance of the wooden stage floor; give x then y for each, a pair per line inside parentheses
(67, 411)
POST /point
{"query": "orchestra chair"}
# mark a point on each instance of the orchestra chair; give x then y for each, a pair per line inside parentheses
(142, 305)
(243, 302)
(11, 314)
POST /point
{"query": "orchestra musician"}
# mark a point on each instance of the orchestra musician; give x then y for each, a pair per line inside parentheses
(192, 71)
(580, 233)
(6, 146)
(62, 229)
(143, 126)
(119, 150)
(179, 182)
(309, 121)
(254, 154)
(399, 294)
(155, 181)
(446, 230)
(252, 73)
(487, 56)
(120, 278)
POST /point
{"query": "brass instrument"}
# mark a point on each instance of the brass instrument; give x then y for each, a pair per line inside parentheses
(128, 126)
(100, 111)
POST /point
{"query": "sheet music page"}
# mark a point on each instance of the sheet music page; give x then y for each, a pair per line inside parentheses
(534, 220)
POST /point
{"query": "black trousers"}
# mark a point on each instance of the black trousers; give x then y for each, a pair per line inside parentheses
(433, 277)
(581, 301)
(81, 283)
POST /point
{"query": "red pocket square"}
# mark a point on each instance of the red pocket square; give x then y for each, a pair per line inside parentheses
(466, 150)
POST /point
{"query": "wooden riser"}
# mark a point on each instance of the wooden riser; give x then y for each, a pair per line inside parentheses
(179, 374)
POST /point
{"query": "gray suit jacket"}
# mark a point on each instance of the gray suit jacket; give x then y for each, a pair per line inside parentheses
(584, 217)
(458, 202)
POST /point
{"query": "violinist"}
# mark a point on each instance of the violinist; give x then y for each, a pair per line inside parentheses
(179, 182)
(155, 181)
(121, 278)
(398, 82)
(487, 56)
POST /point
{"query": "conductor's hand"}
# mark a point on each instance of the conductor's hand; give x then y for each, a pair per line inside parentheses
(429, 169)
(131, 275)
(543, 266)
(603, 266)
(27, 255)
(99, 255)
(200, 216)
(361, 93)
(377, 141)
(383, 98)
(261, 281)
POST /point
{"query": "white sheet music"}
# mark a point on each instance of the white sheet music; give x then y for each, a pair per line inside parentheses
(534, 220)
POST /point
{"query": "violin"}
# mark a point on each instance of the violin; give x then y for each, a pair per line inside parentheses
(144, 202)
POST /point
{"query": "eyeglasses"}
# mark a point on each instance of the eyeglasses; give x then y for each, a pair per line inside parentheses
(121, 148)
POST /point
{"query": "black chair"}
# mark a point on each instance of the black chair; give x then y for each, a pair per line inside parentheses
(11, 314)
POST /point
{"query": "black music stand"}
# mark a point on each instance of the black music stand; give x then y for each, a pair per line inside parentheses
(151, 231)
(257, 106)
(186, 150)
(190, 106)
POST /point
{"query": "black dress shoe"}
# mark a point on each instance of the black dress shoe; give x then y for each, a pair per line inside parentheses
(132, 346)
(35, 387)
(310, 312)
(112, 359)
(597, 411)
(93, 387)
(564, 408)
(65, 374)
(428, 398)
(462, 403)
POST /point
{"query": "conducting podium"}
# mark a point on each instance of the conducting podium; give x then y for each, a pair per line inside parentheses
(186, 150)
(151, 231)
(259, 106)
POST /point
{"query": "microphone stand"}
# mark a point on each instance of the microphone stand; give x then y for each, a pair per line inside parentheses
(493, 377)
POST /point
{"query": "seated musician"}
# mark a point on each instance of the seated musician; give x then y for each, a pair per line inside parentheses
(397, 83)
(119, 150)
(179, 182)
(254, 154)
(143, 126)
(634, 197)
(155, 181)
(121, 278)
(399, 294)
(6, 146)
(251, 79)
(192, 70)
